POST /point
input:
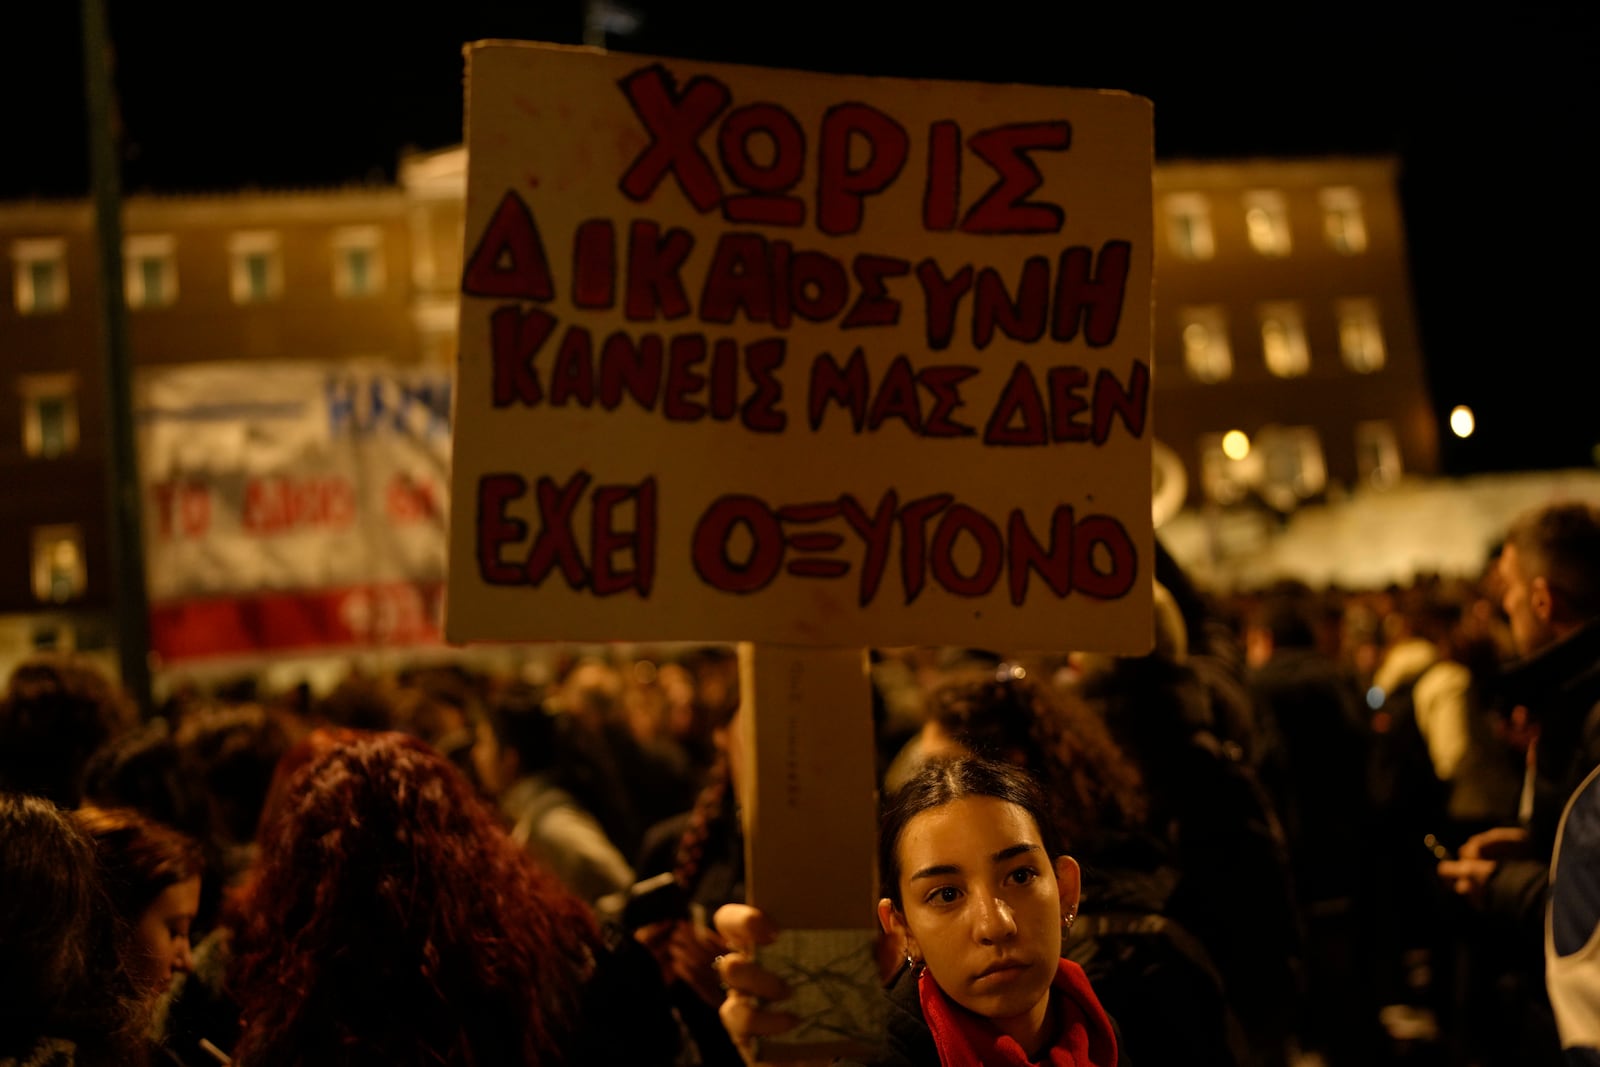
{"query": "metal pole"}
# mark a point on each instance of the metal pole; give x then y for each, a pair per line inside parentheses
(122, 475)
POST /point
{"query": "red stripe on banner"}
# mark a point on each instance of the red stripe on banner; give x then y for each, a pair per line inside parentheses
(386, 614)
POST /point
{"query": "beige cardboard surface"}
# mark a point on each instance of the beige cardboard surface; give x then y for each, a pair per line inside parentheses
(749, 354)
(807, 802)
(806, 716)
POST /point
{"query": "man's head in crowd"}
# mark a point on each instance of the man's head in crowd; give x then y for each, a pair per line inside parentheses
(1550, 572)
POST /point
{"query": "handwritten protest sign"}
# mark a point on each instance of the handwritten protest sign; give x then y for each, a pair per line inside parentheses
(756, 355)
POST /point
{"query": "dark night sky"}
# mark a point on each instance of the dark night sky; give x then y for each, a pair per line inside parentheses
(1492, 116)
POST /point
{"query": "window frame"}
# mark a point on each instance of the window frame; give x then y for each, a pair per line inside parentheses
(1218, 358)
(139, 249)
(1290, 315)
(1360, 315)
(29, 252)
(245, 245)
(36, 388)
(46, 541)
(1274, 207)
(1389, 468)
(1201, 241)
(348, 239)
(1344, 203)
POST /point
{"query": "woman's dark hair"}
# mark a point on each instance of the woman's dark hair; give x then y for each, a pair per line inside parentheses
(60, 966)
(939, 782)
(1091, 786)
(56, 711)
(230, 753)
(139, 858)
(570, 754)
(142, 769)
(392, 921)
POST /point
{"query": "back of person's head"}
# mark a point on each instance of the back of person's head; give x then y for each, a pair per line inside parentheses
(56, 711)
(1429, 611)
(358, 703)
(391, 920)
(444, 718)
(230, 754)
(1287, 613)
(1005, 716)
(1561, 544)
(939, 782)
(59, 963)
(141, 769)
(523, 725)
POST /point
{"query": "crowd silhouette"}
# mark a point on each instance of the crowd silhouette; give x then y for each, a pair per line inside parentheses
(1312, 826)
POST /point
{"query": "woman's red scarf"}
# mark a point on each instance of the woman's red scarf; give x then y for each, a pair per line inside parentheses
(968, 1040)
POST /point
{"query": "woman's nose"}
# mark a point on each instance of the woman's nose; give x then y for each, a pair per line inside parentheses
(183, 959)
(994, 920)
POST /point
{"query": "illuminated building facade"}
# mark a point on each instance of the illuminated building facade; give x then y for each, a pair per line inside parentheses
(1282, 312)
(1283, 318)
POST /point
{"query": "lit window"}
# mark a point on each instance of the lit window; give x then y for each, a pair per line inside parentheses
(358, 261)
(1266, 220)
(58, 570)
(150, 271)
(1342, 222)
(1377, 454)
(49, 414)
(1283, 340)
(257, 267)
(39, 269)
(1223, 478)
(1360, 336)
(1189, 226)
(1207, 355)
(1292, 467)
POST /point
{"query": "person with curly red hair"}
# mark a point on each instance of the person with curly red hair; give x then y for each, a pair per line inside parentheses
(392, 921)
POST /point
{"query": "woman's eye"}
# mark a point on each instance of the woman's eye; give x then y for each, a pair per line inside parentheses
(945, 894)
(1022, 875)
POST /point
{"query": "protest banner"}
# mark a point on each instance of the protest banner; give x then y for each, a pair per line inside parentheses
(754, 355)
(293, 505)
(811, 363)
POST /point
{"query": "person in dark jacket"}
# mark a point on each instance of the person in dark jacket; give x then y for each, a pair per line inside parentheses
(1549, 570)
(1235, 891)
(1313, 768)
(979, 894)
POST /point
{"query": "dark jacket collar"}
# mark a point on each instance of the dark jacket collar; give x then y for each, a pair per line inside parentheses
(1564, 674)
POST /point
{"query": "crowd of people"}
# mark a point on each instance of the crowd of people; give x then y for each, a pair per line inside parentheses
(1309, 827)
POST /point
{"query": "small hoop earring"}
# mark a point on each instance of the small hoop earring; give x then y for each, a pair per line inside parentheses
(913, 962)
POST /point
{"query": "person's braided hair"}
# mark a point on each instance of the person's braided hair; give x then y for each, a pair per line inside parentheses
(711, 805)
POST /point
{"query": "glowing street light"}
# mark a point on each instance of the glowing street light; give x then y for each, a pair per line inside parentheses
(1235, 445)
(1461, 421)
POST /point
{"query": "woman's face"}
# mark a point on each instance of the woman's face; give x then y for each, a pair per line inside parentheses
(161, 938)
(983, 908)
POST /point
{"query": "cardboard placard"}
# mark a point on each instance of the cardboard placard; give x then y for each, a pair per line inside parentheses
(806, 800)
(756, 355)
